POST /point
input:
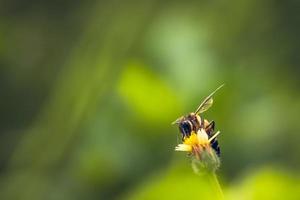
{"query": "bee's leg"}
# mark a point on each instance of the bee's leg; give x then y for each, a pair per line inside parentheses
(209, 128)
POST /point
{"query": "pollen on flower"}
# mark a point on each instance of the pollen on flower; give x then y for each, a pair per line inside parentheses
(198, 144)
(194, 141)
(191, 140)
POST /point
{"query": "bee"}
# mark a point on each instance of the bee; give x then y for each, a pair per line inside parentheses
(194, 122)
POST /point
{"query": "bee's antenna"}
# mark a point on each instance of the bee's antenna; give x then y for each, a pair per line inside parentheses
(208, 98)
(217, 89)
(176, 121)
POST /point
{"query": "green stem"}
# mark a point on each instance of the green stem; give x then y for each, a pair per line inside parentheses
(215, 183)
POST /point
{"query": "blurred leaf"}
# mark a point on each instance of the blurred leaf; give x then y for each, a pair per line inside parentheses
(267, 183)
(148, 95)
(179, 40)
(179, 182)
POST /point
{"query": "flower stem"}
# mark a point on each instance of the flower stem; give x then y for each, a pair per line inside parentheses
(215, 183)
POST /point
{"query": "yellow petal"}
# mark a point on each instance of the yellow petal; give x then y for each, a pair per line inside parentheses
(202, 137)
(192, 140)
(183, 147)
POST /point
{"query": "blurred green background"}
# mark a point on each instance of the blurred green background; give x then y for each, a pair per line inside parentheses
(89, 90)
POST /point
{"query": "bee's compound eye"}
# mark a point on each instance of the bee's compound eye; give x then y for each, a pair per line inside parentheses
(185, 128)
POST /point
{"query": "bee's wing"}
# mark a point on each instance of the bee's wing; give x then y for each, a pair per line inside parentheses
(207, 103)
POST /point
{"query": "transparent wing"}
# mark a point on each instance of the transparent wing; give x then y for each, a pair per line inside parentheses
(207, 103)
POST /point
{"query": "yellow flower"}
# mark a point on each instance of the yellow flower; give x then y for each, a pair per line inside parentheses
(195, 141)
(198, 145)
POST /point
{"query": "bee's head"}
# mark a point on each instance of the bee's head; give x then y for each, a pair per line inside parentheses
(188, 123)
(185, 128)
